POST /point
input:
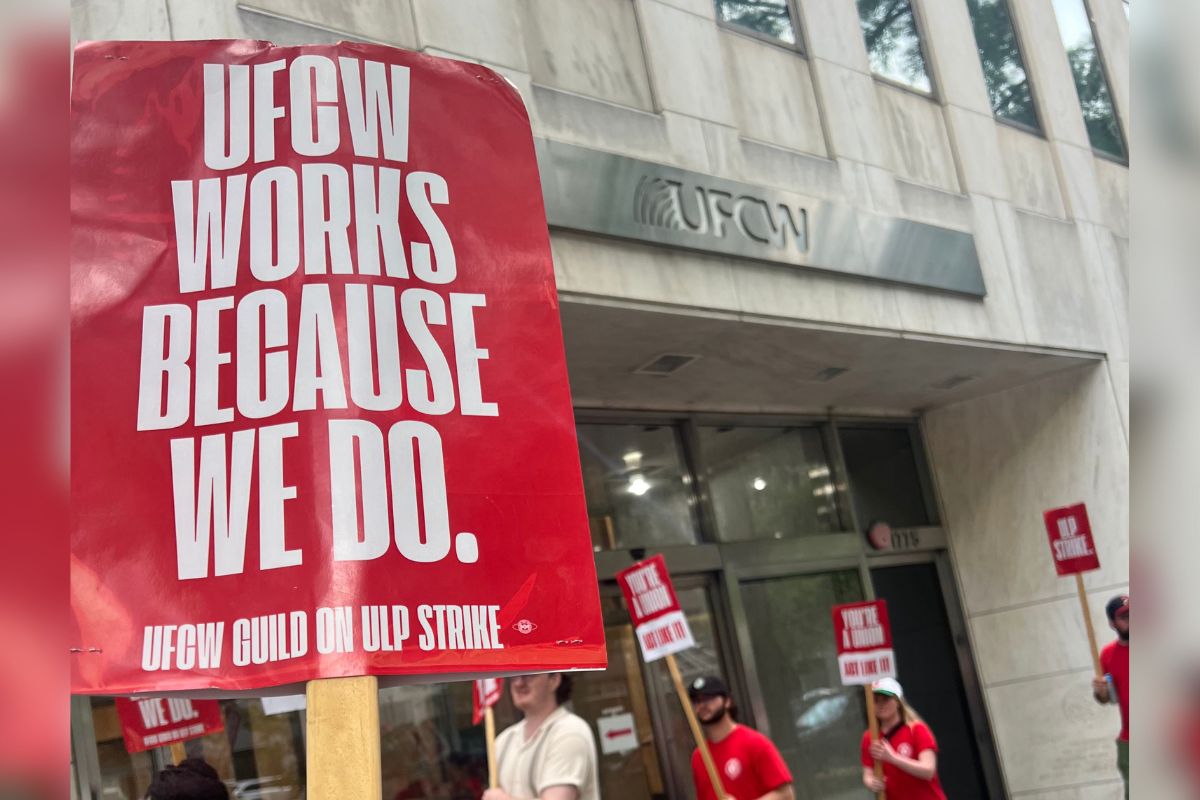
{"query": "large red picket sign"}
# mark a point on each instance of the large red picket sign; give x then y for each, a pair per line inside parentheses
(321, 423)
(150, 722)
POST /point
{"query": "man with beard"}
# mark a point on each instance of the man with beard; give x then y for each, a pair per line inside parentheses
(551, 753)
(1114, 660)
(749, 764)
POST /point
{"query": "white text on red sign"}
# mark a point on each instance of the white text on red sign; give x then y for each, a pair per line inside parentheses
(1071, 544)
(862, 628)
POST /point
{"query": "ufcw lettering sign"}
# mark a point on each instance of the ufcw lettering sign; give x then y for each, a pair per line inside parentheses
(704, 211)
(658, 621)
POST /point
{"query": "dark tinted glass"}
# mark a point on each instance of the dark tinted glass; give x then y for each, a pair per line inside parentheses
(893, 42)
(1003, 68)
(884, 482)
(770, 18)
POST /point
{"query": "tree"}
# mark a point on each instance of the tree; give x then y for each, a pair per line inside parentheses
(893, 42)
(771, 17)
(1095, 100)
(1000, 56)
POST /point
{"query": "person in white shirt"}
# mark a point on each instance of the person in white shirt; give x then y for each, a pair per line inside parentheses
(551, 753)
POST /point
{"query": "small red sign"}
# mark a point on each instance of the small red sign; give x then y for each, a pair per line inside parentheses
(487, 694)
(864, 642)
(1071, 541)
(658, 620)
(150, 722)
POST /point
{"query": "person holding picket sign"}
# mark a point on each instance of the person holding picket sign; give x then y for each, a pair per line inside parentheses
(907, 749)
(749, 764)
(551, 753)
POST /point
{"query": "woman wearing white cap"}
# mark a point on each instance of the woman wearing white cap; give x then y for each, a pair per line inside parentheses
(907, 749)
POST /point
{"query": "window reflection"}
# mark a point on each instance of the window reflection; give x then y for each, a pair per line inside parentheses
(1003, 68)
(893, 42)
(638, 490)
(771, 18)
(815, 721)
(768, 483)
(430, 748)
(1095, 99)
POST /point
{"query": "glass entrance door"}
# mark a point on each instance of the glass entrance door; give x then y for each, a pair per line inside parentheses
(816, 723)
(632, 697)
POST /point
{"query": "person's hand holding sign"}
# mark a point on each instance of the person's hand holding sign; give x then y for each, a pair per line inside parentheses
(881, 750)
(874, 783)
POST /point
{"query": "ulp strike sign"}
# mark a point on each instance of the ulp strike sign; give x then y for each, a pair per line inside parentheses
(320, 416)
(1071, 541)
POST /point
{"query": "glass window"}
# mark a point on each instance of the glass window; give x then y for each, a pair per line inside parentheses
(768, 483)
(259, 754)
(893, 42)
(1003, 68)
(429, 745)
(620, 690)
(815, 722)
(1095, 99)
(884, 482)
(638, 490)
(769, 18)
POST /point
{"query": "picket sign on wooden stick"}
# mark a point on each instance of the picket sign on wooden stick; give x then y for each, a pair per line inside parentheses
(343, 739)
(863, 634)
(873, 724)
(489, 728)
(1087, 622)
(1074, 552)
(701, 743)
(662, 630)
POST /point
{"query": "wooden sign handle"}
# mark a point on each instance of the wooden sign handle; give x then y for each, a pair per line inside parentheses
(873, 725)
(343, 739)
(1087, 622)
(489, 729)
(701, 743)
(178, 753)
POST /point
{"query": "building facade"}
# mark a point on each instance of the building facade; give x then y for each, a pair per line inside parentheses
(822, 264)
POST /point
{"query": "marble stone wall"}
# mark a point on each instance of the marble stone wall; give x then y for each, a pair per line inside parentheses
(998, 462)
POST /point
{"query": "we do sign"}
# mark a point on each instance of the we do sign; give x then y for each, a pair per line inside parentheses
(320, 416)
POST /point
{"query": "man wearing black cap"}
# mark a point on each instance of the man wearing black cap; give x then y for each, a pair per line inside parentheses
(749, 764)
(1114, 660)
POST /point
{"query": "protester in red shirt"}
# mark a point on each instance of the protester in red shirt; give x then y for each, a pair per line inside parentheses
(906, 748)
(749, 765)
(1114, 661)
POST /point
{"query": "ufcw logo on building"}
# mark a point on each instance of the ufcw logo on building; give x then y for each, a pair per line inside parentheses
(703, 211)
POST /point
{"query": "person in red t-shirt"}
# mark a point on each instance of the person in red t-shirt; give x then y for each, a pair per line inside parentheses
(749, 764)
(907, 749)
(1114, 660)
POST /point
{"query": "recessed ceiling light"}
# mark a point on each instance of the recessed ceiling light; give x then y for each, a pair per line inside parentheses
(665, 364)
(952, 381)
